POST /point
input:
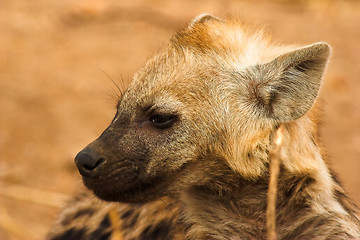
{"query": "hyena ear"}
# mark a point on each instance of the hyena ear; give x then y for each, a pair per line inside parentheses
(202, 18)
(290, 83)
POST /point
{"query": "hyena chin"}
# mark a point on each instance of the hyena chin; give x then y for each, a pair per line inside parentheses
(187, 153)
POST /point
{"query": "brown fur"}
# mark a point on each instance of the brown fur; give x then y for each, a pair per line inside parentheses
(188, 149)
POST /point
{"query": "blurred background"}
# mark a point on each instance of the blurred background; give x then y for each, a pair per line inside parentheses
(57, 58)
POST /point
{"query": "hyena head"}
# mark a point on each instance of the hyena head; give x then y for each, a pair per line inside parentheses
(203, 107)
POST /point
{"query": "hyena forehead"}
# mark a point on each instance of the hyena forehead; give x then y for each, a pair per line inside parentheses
(167, 81)
(231, 42)
(158, 85)
(208, 49)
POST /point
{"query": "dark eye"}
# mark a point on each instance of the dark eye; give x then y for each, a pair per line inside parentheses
(162, 121)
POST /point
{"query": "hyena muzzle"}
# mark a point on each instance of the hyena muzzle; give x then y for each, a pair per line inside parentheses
(187, 154)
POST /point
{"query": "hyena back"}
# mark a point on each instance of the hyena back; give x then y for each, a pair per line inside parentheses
(187, 153)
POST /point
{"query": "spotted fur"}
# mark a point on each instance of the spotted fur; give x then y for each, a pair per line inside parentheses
(87, 217)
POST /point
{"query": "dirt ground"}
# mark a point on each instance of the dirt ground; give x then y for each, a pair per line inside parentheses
(55, 94)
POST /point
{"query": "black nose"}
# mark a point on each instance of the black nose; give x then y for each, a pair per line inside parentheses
(88, 162)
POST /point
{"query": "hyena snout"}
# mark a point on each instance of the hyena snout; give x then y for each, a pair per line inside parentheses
(89, 162)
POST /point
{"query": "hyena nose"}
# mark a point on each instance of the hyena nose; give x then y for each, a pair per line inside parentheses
(88, 162)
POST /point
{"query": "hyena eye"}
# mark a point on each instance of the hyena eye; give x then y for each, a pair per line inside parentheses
(162, 121)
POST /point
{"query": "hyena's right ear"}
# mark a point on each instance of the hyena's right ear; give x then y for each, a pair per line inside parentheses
(286, 88)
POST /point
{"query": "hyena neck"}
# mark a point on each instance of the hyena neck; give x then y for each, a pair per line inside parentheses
(211, 212)
(239, 211)
(307, 196)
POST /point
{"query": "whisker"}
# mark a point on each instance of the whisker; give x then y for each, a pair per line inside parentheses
(119, 91)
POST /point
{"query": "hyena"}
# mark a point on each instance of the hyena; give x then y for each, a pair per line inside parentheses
(187, 153)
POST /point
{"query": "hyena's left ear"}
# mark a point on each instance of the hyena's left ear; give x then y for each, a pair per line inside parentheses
(202, 18)
(289, 84)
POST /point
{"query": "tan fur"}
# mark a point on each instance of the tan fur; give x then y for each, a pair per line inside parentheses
(194, 130)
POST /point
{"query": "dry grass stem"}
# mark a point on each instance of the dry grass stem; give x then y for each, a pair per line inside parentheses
(115, 225)
(274, 174)
(9, 225)
(32, 195)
